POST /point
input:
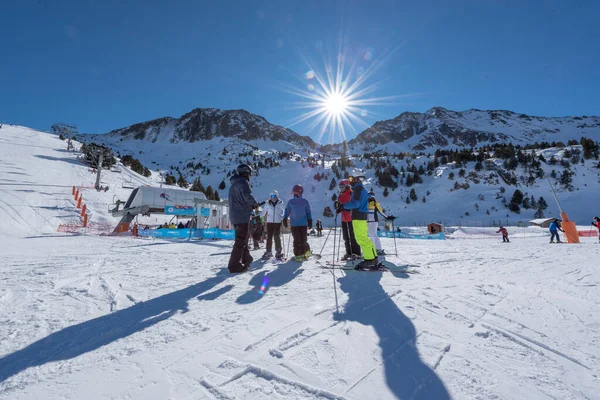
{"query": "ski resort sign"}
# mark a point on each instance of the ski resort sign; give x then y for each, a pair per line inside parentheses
(180, 210)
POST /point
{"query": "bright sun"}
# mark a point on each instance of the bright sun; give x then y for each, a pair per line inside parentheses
(335, 104)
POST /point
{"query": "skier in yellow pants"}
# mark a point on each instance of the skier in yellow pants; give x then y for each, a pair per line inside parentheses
(359, 204)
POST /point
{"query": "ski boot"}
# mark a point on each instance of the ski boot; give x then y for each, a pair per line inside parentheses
(299, 258)
(368, 264)
(267, 255)
(307, 254)
(279, 255)
(346, 257)
(381, 252)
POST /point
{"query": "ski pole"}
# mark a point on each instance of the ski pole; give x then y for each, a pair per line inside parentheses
(394, 233)
(327, 238)
(288, 244)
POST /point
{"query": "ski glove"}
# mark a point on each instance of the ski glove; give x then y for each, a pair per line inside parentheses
(285, 222)
(262, 203)
(310, 224)
(390, 218)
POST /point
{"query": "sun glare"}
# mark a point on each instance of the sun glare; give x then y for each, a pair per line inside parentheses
(335, 104)
(337, 97)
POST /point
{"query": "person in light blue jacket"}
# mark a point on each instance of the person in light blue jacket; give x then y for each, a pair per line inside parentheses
(298, 216)
(554, 228)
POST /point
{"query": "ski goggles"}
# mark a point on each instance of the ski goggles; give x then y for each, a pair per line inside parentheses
(273, 196)
(353, 179)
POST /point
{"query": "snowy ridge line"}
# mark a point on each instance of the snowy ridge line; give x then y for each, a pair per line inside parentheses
(507, 334)
(270, 376)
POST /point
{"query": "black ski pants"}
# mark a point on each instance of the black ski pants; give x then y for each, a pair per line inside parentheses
(505, 239)
(352, 246)
(240, 254)
(554, 233)
(274, 232)
(300, 237)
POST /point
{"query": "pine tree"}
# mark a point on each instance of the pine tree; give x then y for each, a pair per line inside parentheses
(451, 175)
(217, 198)
(332, 184)
(181, 181)
(197, 186)
(209, 193)
(222, 185)
(542, 205)
(413, 195)
(386, 192)
(333, 197)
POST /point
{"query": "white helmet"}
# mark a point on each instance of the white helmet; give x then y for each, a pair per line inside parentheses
(274, 193)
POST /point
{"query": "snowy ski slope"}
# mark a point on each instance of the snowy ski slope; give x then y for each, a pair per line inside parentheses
(97, 317)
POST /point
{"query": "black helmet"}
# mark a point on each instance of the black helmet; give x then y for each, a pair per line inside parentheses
(244, 170)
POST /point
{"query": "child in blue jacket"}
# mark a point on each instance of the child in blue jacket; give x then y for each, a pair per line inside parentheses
(300, 220)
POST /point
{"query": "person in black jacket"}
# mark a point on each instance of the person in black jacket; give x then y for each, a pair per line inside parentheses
(319, 227)
(241, 204)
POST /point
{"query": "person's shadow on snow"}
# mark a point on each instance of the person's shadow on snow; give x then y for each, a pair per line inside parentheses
(87, 336)
(282, 275)
(405, 373)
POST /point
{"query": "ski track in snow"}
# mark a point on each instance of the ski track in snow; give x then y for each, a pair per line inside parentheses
(84, 316)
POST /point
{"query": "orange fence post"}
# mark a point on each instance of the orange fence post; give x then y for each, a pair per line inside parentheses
(79, 203)
(83, 210)
(76, 194)
(85, 217)
(569, 228)
(73, 191)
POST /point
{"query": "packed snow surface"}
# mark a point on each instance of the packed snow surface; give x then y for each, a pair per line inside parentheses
(99, 317)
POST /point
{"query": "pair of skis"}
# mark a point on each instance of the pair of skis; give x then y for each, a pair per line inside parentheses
(380, 267)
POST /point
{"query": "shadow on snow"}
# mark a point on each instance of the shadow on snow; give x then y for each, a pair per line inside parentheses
(87, 336)
(405, 373)
(282, 275)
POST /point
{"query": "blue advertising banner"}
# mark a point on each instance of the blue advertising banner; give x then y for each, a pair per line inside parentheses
(210, 233)
(402, 235)
(205, 212)
(180, 210)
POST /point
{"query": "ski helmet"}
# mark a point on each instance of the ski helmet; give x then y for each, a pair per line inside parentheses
(274, 194)
(298, 190)
(244, 170)
(344, 184)
(356, 178)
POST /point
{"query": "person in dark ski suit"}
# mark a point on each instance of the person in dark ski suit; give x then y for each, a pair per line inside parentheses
(300, 220)
(554, 228)
(352, 247)
(504, 234)
(319, 227)
(596, 223)
(241, 204)
(273, 214)
(359, 204)
(256, 229)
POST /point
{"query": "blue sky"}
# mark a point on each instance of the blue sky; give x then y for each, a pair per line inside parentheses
(104, 65)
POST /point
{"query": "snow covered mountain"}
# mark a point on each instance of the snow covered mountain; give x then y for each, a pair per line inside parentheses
(442, 128)
(207, 123)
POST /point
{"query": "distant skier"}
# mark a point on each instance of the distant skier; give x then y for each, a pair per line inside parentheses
(273, 214)
(241, 204)
(352, 247)
(373, 222)
(504, 234)
(596, 223)
(319, 227)
(300, 220)
(360, 210)
(554, 228)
